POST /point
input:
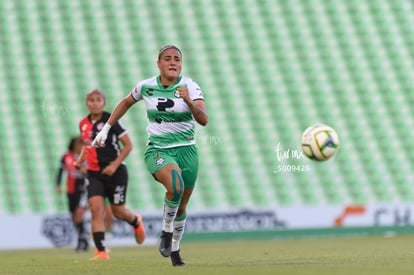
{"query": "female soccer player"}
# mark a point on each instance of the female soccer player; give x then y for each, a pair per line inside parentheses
(173, 103)
(106, 172)
(75, 190)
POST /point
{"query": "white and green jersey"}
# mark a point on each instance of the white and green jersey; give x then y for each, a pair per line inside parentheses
(170, 121)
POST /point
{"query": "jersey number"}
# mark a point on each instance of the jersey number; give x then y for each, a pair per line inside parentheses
(164, 103)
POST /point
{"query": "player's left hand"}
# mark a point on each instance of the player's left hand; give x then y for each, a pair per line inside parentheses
(110, 169)
(183, 93)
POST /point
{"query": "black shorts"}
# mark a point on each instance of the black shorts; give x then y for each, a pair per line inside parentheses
(112, 187)
(76, 200)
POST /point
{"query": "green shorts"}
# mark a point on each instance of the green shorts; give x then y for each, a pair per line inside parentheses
(185, 157)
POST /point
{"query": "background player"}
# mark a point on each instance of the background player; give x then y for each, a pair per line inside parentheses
(75, 190)
(173, 104)
(106, 172)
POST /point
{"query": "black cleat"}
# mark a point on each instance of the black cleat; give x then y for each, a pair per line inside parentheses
(176, 259)
(165, 244)
(82, 246)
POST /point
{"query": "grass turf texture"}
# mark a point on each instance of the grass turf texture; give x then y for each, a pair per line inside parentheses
(362, 255)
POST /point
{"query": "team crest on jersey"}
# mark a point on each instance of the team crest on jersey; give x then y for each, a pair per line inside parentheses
(177, 93)
(99, 126)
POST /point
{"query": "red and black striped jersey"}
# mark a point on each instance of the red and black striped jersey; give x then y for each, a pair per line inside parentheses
(99, 158)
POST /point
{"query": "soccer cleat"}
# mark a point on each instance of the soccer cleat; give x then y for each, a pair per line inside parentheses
(139, 232)
(100, 256)
(82, 246)
(176, 259)
(165, 244)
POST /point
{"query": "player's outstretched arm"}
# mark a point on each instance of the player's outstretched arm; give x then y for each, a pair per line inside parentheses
(120, 109)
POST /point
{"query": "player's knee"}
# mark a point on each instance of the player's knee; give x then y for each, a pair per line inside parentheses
(96, 207)
(177, 185)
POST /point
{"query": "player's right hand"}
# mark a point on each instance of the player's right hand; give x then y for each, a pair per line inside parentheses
(100, 139)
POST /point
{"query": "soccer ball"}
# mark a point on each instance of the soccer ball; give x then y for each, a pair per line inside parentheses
(320, 142)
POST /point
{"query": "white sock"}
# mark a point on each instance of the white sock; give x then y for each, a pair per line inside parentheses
(168, 217)
(178, 233)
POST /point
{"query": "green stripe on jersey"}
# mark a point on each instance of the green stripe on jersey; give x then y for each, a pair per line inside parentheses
(173, 139)
(158, 116)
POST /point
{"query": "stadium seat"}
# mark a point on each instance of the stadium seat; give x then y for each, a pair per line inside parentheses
(268, 70)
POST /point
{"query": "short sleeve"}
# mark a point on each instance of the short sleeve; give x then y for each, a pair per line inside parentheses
(136, 92)
(119, 129)
(195, 91)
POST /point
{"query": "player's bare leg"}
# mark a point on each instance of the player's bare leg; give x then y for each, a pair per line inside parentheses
(122, 213)
(109, 220)
(97, 207)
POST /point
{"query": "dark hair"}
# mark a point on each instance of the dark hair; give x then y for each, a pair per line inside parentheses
(167, 47)
(72, 143)
(95, 91)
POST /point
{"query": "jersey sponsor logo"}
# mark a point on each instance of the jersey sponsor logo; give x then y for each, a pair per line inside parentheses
(85, 132)
(84, 126)
(149, 92)
(164, 103)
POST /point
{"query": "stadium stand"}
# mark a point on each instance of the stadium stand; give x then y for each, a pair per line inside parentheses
(268, 69)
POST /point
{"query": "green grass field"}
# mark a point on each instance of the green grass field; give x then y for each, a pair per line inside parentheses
(362, 255)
